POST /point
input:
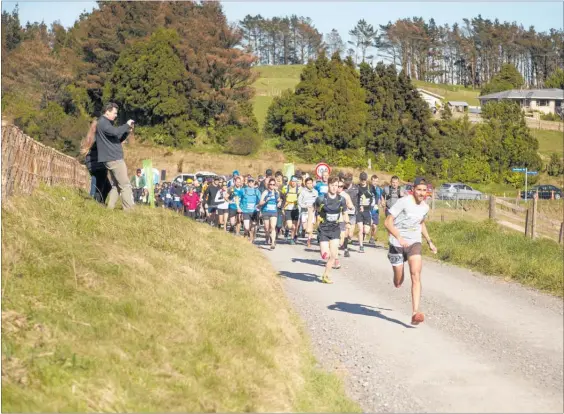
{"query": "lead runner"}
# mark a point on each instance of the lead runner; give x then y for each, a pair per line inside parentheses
(406, 224)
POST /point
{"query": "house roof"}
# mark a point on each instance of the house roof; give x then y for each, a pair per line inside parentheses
(553, 93)
(430, 93)
(457, 103)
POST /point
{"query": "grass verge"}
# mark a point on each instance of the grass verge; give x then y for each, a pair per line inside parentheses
(147, 311)
(494, 250)
(549, 141)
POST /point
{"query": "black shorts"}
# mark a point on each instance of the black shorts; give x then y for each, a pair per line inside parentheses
(364, 217)
(328, 233)
(254, 216)
(212, 210)
(269, 214)
(398, 255)
(292, 215)
(221, 211)
(233, 212)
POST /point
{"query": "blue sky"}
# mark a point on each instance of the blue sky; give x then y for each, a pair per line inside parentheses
(341, 15)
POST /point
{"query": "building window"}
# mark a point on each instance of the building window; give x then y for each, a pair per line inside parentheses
(542, 102)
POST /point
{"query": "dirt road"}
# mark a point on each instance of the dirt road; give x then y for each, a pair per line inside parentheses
(486, 346)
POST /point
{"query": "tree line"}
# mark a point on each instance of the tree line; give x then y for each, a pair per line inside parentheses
(468, 54)
(174, 67)
(344, 117)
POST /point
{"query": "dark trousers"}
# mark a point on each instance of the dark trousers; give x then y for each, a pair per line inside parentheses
(100, 185)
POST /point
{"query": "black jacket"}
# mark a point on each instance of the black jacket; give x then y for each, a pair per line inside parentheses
(109, 139)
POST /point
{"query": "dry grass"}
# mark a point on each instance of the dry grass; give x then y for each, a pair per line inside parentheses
(147, 311)
(168, 159)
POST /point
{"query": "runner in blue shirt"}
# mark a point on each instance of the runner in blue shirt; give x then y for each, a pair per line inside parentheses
(375, 211)
(248, 205)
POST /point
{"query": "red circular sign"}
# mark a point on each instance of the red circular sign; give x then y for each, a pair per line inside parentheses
(321, 168)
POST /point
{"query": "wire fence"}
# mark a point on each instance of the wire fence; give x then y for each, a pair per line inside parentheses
(26, 163)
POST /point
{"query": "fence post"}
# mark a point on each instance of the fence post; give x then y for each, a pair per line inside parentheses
(456, 205)
(527, 222)
(561, 235)
(492, 207)
(534, 218)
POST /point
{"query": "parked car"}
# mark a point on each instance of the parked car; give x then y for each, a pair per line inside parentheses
(181, 178)
(544, 191)
(460, 191)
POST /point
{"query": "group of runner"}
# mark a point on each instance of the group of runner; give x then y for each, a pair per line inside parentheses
(336, 207)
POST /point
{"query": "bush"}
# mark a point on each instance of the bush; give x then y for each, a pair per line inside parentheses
(555, 167)
(243, 142)
(550, 117)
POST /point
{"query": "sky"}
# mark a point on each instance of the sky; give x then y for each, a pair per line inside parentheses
(341, 15)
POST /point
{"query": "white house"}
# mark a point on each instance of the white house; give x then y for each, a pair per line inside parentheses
(433, 100)
(548, 101)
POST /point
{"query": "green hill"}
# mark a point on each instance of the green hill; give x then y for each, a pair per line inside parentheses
(145, 311)
(271, 82)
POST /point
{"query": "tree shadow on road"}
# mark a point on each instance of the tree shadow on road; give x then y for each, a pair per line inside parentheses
(305, 277)
(309, 261)
(359, 309)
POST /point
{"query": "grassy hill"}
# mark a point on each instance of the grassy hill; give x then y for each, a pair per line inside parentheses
(147, 311)
(271, 82)
(451, 92)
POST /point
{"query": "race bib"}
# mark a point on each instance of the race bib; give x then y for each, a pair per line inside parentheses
(176, 198)
(333, 217)
(250, 206)
(271, 207)
(168, 196)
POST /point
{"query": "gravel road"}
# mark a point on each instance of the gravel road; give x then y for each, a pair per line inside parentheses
(487, 345)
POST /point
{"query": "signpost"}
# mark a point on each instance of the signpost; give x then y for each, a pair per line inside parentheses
(527, 173)
(321, 168)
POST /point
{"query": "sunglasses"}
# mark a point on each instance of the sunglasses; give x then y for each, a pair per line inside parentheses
(341, 186)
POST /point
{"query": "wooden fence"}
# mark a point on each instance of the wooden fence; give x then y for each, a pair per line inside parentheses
(537, 218)
(26, 163)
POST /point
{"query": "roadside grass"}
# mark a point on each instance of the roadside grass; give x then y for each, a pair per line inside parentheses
(494, 250)
(145, 311)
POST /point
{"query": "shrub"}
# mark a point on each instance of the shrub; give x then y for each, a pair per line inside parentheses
(550, 117)
(243, 142)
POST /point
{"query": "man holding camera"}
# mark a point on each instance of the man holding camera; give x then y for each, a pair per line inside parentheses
(110, 152)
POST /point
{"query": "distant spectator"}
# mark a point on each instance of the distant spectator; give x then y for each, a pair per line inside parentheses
(137, 184)
(191, 200)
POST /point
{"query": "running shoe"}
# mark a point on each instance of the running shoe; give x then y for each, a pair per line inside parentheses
(372, 241)
(347, 253)
(292, 242)
(417, 318)
(272, 247)
(361, 249)
(325, 279)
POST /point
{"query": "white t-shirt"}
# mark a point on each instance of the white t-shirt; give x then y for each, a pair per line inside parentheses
(408, 216)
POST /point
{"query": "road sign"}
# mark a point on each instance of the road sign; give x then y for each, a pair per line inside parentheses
(321, 168)
(532, 172)
(518, 169)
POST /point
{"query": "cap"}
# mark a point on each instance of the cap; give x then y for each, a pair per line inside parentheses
(250, 180)
(295, 179)
(189, 181)
(363, 176)
(268, 172)
(236, 172)
(419, 180)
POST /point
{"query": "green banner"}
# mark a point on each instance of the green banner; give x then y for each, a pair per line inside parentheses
(148, 167)
(288, 170)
